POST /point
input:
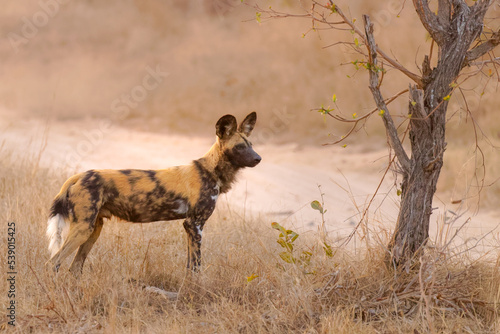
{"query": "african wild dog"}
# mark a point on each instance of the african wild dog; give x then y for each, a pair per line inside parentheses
(141, 196)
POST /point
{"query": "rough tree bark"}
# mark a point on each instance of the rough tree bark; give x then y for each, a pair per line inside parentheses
(454, 28)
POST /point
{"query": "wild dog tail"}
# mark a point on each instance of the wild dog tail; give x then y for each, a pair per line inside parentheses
(57, 225)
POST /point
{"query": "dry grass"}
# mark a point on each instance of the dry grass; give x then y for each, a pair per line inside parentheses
(351, 292)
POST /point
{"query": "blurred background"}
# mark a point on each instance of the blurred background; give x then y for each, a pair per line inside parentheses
(72, 59)
(174, 67)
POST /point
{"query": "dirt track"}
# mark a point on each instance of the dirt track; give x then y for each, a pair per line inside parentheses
(279, 189)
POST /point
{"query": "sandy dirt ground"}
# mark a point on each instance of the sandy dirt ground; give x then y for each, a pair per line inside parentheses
(281, 188)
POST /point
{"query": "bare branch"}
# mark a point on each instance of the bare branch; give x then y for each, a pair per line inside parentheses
(392, 132)
(416, 78)
(351, 130)
(363, 118)
(495, 60)
(482, 48)
(318, 17)
(431, 22)
(350, 23)
(387, 101)
(395, 64)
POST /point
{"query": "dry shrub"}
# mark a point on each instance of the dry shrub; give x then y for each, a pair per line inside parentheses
(350, 291)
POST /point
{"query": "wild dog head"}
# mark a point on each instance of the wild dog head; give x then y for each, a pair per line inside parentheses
(233, 140)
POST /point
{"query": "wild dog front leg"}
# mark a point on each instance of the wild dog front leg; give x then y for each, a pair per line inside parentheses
(194, 228)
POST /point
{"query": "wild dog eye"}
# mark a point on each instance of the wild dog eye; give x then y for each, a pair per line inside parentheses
(240, 147)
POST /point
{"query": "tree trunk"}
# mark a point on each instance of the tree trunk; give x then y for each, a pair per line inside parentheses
(427, 111)
(427, 138)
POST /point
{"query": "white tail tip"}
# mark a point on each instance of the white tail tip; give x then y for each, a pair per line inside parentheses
(56, 228)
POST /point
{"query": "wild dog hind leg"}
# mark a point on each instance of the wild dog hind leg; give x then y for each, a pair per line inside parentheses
(78, 234)
(84, 249)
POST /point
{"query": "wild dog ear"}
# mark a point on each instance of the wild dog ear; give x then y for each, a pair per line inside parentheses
(248, 124)
(226, 126)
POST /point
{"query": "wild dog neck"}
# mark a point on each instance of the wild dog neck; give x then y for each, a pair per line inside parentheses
(217, 162)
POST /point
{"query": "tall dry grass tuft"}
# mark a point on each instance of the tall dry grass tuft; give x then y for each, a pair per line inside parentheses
(351, 291)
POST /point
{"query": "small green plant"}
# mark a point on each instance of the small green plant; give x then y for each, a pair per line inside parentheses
(324, 110)
(328, 249)
(319, 206)
(252, 277)
(286, 239)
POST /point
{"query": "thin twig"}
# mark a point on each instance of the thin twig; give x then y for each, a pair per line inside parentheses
(52, 306)
(365, 212)
(362, 118)
(395, 64)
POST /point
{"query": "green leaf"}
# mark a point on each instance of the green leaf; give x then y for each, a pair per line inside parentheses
(289, 246)
(356, 42)
(278, 227)
(334, 97)
(446, 98)
(294, 236)
(258, 16)
(328, 250)
(287, 257)
(281, 242)
(381, 112)
(306, 256)
(252, 277)
(324, 110)
(317, 206)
